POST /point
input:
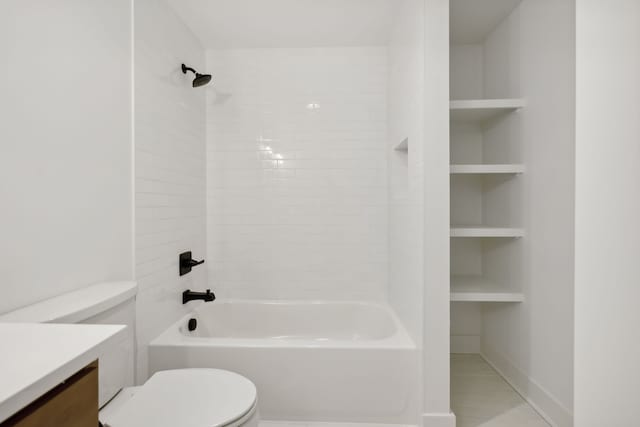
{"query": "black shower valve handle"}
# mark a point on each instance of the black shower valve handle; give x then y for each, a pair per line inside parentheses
(193, 262)
(186, 263)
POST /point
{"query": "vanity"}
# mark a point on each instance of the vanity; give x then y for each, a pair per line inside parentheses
(49, 373)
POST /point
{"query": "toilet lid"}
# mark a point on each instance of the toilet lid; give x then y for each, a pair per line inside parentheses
(188, 398)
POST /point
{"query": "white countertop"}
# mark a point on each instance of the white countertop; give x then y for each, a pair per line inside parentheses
(75, 306)
(35, 357)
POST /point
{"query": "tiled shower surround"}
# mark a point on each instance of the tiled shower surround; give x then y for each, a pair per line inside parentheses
(297, 173)
(170, 169)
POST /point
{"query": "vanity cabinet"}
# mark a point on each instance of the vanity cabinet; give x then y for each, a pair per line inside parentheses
(73, 403)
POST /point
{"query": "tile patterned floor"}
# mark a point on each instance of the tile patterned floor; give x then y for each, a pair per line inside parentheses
(482, 398)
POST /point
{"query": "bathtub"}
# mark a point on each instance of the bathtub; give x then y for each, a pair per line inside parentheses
(311, 361)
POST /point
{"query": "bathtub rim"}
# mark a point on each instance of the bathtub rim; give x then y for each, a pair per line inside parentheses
(399, 340)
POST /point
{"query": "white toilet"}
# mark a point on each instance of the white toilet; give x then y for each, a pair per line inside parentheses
(185, 397)
(180, 397)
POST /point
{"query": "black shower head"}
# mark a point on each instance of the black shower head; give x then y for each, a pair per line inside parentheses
(200, 80)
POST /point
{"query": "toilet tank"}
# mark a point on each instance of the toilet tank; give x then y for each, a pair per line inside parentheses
(109, 303)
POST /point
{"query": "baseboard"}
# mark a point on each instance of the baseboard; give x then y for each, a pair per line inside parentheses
(439, 420)
(540, 399)
(465, 344)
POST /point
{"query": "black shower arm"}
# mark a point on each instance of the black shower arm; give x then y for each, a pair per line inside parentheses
(185, 69)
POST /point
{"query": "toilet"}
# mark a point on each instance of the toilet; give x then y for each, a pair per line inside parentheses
(178, 397)
(185, 397)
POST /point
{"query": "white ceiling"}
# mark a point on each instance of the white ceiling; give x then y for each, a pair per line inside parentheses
(286, 23)
(473, 20)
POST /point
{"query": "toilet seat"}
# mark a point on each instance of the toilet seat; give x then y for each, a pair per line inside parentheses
(188, 398)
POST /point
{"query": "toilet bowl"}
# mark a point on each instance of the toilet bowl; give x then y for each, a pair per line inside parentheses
(186, 398)
(172, 398)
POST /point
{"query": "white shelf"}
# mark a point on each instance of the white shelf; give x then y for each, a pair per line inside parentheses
(482, 110)
(486, 169)
(478, 231)
(478, 289)
(403, 146)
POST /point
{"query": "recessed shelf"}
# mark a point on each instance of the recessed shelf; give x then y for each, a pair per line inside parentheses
(482, 110)
(479, 231)
(486, 169)
(403, 146)
(479, 289)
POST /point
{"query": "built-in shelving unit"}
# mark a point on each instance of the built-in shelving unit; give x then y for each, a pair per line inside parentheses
(479, 289)
(482, 110)
(509, 117)
(481, 169)
(488, 168)
(477, 116)
(478, 231)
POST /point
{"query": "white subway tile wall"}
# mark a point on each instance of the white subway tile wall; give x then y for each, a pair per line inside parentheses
(170, 169)
(297, 173)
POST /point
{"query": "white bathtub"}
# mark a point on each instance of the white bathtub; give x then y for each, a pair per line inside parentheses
(311, 361)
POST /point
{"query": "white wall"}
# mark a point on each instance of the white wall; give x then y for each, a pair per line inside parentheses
(405, 120)
(466, 71)
(405, 169)
(297, 196)
(607, 292)
(170, 168)
(65, 147)
(436, 405)
(531, 54)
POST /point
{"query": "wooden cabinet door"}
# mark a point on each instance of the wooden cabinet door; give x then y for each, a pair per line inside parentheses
(73, 403)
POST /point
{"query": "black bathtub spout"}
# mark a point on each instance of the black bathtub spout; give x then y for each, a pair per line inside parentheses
(190, 295)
